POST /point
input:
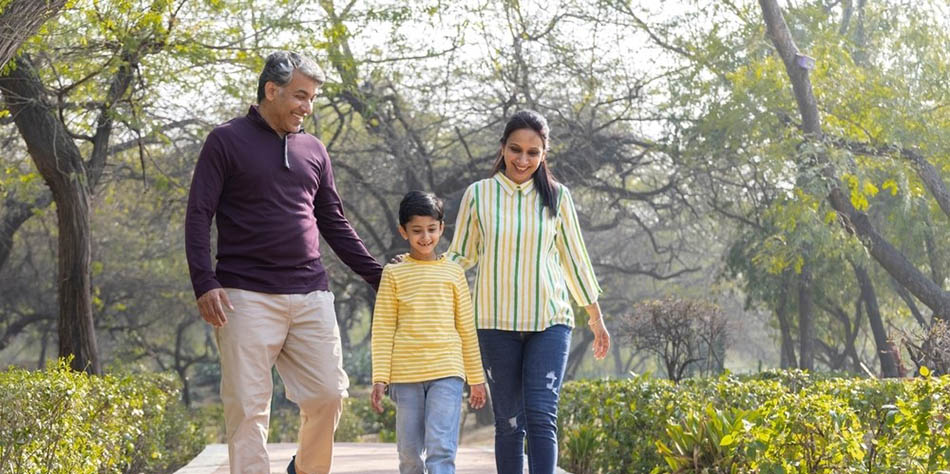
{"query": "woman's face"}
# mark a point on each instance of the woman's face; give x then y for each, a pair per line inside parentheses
(523, 153)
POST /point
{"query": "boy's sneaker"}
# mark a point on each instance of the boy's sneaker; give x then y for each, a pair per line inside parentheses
(290, 467)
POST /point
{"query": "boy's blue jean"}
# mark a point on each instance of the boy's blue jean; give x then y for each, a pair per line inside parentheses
(427, 420)
(524, 372)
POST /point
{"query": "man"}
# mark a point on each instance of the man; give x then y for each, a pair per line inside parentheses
(270, 187)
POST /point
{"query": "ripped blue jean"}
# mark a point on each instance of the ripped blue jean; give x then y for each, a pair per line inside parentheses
(524, 372)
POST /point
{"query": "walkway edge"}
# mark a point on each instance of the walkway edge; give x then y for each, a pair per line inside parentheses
(213, 459)
(210, 459)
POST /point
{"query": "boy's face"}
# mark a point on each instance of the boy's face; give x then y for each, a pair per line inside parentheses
(423, 233)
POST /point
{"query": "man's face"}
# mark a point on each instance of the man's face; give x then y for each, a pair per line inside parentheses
(292, 102)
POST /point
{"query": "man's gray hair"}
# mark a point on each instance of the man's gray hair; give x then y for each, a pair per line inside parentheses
(280, 66)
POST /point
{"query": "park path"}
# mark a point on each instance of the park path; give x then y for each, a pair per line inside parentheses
(348, 458)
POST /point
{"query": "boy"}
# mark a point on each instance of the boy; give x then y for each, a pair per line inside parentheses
(424, 343)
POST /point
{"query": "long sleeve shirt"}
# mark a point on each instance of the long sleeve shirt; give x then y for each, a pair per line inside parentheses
(528, 260)
(423, 328)
(272, 198)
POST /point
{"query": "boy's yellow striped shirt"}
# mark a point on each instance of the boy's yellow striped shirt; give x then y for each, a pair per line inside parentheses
(528, 261)
(423, 328)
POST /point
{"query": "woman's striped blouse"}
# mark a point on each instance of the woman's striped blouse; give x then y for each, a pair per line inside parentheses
(528, 261)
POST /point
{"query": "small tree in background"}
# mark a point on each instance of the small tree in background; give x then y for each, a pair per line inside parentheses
(933, 349)
(684, 334)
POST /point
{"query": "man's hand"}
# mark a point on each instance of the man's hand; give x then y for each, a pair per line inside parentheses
(376, 398)
(211, 306)
(477, 398)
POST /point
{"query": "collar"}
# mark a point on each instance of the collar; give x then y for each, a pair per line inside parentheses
(512, 187)
(254, 115)
(440, 259)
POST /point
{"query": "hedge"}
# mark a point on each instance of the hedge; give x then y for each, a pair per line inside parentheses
(60, 421)
(357, 421)
(774, 422)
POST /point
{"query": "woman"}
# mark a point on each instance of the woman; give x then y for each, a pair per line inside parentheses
(520, 227)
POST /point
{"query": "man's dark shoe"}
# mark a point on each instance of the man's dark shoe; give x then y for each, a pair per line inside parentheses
(290, 467)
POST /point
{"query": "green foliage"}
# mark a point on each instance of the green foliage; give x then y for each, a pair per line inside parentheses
(60, 421)
(358, 419)
(774, 422)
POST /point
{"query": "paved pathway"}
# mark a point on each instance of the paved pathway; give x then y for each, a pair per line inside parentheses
(349, 458)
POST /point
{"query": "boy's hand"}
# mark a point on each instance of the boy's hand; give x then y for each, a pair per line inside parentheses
(376, 398)
(477, 398)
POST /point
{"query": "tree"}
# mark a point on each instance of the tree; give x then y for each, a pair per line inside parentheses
(69, 118)
(684, 334)
(889, 257)
(20, 19)
(729, 93)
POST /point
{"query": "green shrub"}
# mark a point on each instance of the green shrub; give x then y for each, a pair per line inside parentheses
(357, 420)
(360, 419)
(60, 421)
(775, 422)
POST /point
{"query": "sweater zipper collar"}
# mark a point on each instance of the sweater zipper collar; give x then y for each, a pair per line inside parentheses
(255, 116)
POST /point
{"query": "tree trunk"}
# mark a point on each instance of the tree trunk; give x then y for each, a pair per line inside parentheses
(806, 320)
(20, 19)
(60, 163)
(911, 305)
(787, 349)
(618, 359)
(933, 250)
(890, 258)
(851, 331)
(576, 356)
(884, 353)
(76, 327)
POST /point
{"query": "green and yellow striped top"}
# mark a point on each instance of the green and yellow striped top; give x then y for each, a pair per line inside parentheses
(423, 327)
(528, 261)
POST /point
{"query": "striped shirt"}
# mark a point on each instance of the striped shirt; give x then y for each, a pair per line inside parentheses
(528, 260)
(423, 327)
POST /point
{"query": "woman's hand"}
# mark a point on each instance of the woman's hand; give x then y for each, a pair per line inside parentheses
(601, 336)
(376, 398)
(398, 258)
(477, 396)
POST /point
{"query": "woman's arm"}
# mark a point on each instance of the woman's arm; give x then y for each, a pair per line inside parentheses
(575, 262)
(579, 272)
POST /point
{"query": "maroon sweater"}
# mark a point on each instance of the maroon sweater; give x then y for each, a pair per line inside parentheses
(272, 198)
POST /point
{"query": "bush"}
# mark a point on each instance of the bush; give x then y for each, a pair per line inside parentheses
(775, 422)
(60, 421)
(357, 420)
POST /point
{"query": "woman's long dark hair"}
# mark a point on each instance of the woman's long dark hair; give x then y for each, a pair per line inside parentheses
(544, 181)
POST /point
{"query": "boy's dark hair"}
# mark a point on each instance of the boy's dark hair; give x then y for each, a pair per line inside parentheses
(419, 203)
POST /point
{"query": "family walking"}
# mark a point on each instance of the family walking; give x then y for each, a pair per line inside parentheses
(269, 187)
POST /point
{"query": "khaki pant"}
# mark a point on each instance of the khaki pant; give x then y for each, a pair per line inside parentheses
(300, 334)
